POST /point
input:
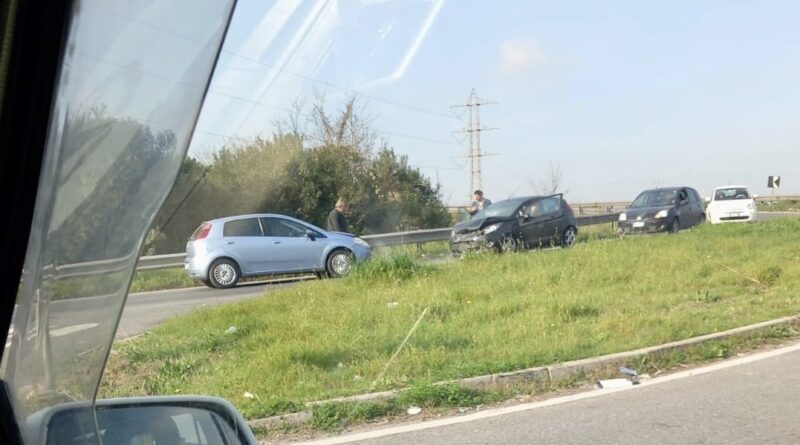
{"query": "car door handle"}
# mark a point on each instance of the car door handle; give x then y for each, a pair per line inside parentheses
(230, 242)
(276, 242)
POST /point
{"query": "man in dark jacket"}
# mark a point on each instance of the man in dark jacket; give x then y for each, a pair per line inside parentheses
(336, 219)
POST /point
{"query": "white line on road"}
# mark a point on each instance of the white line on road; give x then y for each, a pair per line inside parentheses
(72, 329)
(551, 402)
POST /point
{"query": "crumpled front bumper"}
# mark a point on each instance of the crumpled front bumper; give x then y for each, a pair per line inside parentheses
(470, 242)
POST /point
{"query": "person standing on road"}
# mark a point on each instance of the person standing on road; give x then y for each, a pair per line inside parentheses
(478, 202)
(336, 219)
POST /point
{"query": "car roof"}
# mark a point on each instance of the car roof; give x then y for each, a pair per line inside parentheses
(250, 215)
(521, 199)
(668, 188)
(731, 187)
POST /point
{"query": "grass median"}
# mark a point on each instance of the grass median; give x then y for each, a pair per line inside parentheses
(485, 313)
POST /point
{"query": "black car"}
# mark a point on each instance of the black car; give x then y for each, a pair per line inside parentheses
(527, 222)
(662, 210)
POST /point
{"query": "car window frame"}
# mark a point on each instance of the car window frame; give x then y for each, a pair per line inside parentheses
(225, 225)
(306, 228)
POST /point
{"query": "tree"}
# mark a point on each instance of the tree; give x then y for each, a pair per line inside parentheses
(552, 183)
(301, 172)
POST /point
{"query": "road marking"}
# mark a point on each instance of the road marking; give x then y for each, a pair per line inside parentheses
(552, 402)
(60, 332)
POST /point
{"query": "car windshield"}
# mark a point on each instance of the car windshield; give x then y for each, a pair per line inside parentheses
(272, 202)
(732, 193)
(502, 209)
(655, 198)
(117, 152)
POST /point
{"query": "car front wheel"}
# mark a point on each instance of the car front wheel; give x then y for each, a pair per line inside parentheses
(508, 244)
(339, 263)
(224, 273)
(675, 227)
(569, 237)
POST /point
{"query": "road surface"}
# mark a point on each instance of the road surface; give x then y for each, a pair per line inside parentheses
(750, 400)
(146, 310)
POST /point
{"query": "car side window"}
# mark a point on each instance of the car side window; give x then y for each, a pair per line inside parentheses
(548, 206)
(285, 228)
(682, 197)
(242, 227)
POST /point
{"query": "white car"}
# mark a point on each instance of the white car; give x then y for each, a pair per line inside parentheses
(730, 203)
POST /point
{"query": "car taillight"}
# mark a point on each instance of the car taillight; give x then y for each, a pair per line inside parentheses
(201, 231)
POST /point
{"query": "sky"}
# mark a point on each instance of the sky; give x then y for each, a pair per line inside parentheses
(621, 95)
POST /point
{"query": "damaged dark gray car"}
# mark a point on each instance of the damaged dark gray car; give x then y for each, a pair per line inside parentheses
(517, 223)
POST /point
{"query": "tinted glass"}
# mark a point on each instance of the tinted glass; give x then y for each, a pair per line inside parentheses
(285, 228)
(502, 209)
(731, 194)
(655, 198)
(549, 205)
(242, 227)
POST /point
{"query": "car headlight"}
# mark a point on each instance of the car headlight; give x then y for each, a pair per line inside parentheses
(661, 214)
(623, 216)
(751, 206)
(491, 228)
(360, 242)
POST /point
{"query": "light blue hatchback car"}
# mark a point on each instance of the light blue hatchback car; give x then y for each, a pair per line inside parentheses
(222, 251)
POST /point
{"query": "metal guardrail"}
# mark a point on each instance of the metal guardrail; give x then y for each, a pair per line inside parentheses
(778, 198)
(168, 261)
(412, 237)
(174, 260)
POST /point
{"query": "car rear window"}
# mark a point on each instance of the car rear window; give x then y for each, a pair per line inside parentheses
(242, 227)
(731, 193)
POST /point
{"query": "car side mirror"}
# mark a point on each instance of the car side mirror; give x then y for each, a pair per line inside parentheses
(311, 235)
(707, 199)
(167, 420)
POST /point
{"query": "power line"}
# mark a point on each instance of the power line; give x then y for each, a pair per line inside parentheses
(474, 131)
(273, 67)
(348, 90)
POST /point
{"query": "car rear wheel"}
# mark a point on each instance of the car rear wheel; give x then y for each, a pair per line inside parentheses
(569, 237)
(675, 227)
(224, 273)
(339, 263)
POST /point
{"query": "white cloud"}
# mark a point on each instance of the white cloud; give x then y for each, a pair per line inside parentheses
(521, 56)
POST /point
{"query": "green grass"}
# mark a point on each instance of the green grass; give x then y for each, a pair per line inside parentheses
(150, 280)
(486, 313)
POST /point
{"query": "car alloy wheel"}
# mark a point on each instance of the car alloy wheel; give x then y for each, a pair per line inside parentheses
(339, 263)
(224, 274)
(569, 238)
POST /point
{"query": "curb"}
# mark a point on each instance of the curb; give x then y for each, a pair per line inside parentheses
(551, 373)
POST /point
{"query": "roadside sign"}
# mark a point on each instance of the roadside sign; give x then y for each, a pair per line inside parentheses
(774, 182)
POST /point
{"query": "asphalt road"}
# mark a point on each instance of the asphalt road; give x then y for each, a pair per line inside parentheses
(751, 400)
(146, 310)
